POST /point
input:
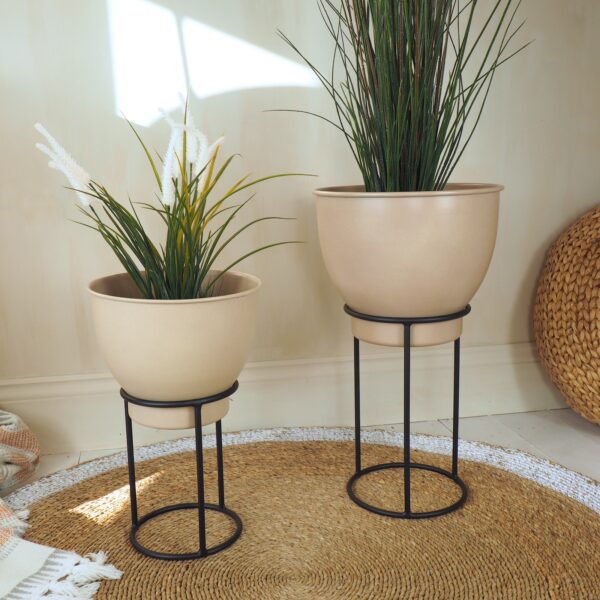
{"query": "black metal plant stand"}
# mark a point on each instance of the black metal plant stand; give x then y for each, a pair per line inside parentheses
(406, 464)
(201, 505)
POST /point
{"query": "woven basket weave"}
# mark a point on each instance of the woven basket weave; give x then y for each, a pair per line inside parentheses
(566, 315)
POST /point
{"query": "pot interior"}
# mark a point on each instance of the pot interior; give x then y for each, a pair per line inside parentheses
(122, 286)
(451, 188)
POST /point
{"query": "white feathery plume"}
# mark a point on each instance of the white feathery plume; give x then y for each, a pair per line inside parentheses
(62, 161)
(198, 154)
(170, 168)
(192, 140)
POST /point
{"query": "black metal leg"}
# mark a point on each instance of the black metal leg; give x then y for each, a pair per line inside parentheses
(407, 342)
(455, 411)
(406, 465)
(357, 460)
(200, 480)
(221, 479)
(201, 506)
(131, 466)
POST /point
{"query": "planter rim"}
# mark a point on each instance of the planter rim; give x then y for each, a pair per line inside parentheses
(452, 189)
(255, 280)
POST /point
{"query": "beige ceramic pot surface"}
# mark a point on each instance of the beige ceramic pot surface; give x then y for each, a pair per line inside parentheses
(175, 349)
(408, 254)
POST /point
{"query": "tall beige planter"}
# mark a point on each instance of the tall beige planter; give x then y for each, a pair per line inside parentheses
(175, 349)
(408, 254)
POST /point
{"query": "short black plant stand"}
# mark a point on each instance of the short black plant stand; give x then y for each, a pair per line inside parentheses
(201, 506)
(406, 464)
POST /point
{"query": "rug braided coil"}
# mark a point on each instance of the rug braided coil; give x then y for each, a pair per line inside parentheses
(566, 315)
(304, 539)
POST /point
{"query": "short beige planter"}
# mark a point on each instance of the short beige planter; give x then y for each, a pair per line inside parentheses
(408, 254)
(175, 349)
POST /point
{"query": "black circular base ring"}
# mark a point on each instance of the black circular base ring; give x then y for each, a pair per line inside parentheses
(191, 555)
(407, 515)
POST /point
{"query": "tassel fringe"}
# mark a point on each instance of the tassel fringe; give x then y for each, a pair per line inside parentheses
(66, 576)
(22, 524)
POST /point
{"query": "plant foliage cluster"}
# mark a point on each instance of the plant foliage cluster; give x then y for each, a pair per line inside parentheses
(409, 80)
(199, 222)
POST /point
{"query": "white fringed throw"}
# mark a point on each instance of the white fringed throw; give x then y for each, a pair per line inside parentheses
(30, 571)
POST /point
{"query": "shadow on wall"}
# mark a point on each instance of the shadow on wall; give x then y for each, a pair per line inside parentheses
(526, 297)
(158, 56)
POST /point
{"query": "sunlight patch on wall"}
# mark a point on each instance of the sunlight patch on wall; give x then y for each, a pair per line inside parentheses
(146, 56)
(218, 63)
(149, 69)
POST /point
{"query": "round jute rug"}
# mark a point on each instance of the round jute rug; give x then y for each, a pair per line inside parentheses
(529, 530)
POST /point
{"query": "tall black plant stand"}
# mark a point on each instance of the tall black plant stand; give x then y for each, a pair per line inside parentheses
(406, 465)
(201, 505)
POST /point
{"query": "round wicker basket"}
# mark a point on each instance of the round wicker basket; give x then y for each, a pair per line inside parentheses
(566, 315)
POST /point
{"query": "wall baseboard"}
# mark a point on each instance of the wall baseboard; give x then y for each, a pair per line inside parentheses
(85, 412)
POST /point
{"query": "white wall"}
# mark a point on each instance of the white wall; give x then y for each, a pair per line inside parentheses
(540, 137)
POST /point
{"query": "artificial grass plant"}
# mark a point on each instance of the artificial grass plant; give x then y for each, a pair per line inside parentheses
(409, 80)
(198, 222)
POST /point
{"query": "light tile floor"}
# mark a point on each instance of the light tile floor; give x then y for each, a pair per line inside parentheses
(558, 435)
